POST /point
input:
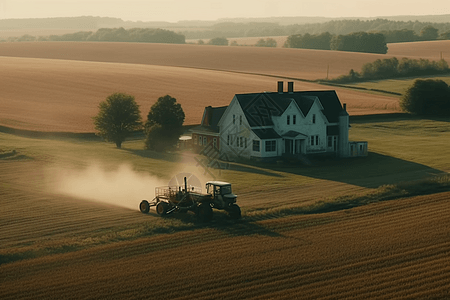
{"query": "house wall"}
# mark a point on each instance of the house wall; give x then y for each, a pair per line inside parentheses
(305, 125)
(197, 146)
(235, 136)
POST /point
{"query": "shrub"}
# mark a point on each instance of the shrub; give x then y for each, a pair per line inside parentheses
(428, 98)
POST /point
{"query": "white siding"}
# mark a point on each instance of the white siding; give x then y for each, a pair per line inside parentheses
(237, 132)
(305, 125)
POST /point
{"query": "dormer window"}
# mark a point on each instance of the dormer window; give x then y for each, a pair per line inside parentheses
(288, 119)
(314, 118)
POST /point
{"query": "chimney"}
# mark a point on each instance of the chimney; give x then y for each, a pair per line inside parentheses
(290, 87)
(208, 116)
(280, 87)
(345, 106)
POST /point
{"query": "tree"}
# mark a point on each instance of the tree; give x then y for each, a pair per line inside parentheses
(445, 35)
(269, 42)
(118, 117)
(360, 42)
(218, 41)
(429, 33)
(427, 97)
(164, 124)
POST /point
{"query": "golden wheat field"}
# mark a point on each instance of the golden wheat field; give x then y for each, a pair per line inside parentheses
(57, 86)
(296, 63)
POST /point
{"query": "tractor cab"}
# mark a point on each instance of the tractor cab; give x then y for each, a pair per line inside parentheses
(221, 193)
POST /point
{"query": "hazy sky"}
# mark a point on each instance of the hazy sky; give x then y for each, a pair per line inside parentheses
(175, 10)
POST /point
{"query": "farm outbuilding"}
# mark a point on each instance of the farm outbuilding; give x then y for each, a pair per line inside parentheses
(278, 124)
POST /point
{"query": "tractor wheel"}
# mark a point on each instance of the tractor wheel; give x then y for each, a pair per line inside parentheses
(234, 211)
(204, 212)
(144, 207)
(161, 208)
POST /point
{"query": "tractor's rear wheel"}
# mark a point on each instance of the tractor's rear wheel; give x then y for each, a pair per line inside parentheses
(144, 207)
(161, 208)
(234, 211)
(204, 212)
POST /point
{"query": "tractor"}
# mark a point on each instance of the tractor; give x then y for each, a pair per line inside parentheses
(181, 199)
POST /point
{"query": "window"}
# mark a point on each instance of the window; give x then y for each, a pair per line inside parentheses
(294, 117)
(245, 144)
(240, 120)
(234, 119)
(215, 143)
(228, 139)
(314, 140)
(271, 146)
(237, 141)
(288, 118)
(194, 137)
(314, 118)
(255, 146)
(205, 141)
(242, 140)
(199, 140)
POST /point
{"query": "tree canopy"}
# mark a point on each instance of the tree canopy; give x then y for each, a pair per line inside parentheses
(218, 41)
(269, 42)
(164, 124)
(118, 117)
(308, 41)
(360, 42)
(427, 97)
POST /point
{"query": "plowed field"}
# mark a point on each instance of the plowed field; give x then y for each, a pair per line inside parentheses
(62, 93)
(297, 63)
(395, 249)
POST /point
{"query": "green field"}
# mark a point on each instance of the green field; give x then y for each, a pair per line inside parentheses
(402, 148)
(394, 85)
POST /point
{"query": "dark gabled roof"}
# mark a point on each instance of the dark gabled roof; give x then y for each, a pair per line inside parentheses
(265, 134)
(259, 108)
(217, 113)
(209, 123)
(331, 105)
(293, 134)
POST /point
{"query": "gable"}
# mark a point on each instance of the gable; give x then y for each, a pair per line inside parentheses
(259, 108)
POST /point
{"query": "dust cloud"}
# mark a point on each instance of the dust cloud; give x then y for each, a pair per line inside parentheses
(122, 186)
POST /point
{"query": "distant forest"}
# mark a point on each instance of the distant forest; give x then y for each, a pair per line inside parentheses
(334, 34)
(335, 27)
(137, 35)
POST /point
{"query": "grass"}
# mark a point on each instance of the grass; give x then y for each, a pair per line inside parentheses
(394, 85)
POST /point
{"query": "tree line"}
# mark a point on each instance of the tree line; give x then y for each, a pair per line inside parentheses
(356, 42)
(137, 35)
(394, 68)
(334, 27)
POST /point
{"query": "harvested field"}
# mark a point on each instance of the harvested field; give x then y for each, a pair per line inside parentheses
(395, 249)
(295, 63)
(431, 50)
(61, 95)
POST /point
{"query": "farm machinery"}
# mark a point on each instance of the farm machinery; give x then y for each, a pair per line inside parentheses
(181, 199)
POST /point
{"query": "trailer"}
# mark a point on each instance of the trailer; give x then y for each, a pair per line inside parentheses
(182, 199)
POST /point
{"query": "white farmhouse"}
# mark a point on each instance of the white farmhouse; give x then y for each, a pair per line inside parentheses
(275, 124)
